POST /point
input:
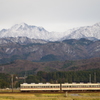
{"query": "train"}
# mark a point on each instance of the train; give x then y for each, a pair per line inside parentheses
(25, 87)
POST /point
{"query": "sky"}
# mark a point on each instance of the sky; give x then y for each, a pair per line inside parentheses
(53, 15)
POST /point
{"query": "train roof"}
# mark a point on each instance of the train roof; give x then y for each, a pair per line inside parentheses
(32, 84)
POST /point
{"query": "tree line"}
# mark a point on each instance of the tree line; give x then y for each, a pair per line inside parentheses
(51, 77)
(65, 77)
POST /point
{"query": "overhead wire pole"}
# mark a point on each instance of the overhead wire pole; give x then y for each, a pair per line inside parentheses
(95, 77)
(12, 81)
(90, 78)
(25, 77)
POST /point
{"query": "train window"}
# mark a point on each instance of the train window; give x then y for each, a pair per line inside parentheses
(73, 86)
(87, 86)
(47, 86)
(84, 86)
(95, 85)
(36, 86)
(92, 85)
(40, 86)
(22, 86)
(52, 86)
(65, 86)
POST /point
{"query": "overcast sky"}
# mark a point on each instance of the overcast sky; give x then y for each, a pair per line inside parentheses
(53, 15)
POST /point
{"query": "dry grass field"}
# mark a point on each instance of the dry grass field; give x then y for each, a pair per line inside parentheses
(49, 96)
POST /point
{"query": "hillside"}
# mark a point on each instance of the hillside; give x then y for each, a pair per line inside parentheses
(22, 66)
(49, 51)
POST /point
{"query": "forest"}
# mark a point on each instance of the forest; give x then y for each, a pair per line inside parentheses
(51, 77)
(65, 77)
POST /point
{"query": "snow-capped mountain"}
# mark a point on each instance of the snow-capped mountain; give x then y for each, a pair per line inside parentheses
(86, 32)
(24, 30)
(34, 32)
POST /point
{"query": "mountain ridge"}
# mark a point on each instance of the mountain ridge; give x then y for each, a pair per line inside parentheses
(34, 32)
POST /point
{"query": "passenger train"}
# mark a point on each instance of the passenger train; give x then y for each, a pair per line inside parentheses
(59, 87)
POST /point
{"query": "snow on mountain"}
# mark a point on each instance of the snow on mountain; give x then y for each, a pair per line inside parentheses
(20, 40)
(24, 30)
(34, 32)
(86, 32)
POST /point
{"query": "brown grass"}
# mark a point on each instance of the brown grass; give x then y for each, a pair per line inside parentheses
(48, 96)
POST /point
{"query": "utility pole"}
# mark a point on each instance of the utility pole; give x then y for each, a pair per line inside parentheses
(25, 77)
(12, 81)
(90, 78)
(95, 77)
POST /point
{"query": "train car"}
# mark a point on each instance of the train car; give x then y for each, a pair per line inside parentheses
(59, 87)
(81, 86)
(39, 87)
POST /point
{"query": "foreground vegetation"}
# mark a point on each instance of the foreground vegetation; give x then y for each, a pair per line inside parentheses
(47, 96)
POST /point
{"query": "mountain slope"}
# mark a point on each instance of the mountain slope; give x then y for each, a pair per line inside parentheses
(34, 32)
(24, 30)
(20, 40)
(49, 51)
(86, 32)
(33, 67)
